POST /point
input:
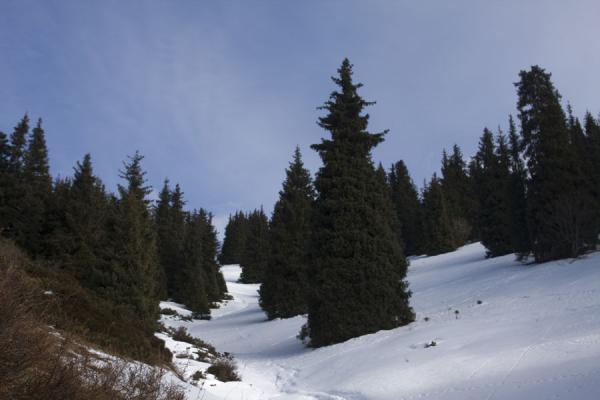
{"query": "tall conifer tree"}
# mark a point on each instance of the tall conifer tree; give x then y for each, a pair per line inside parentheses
(491, 176)
(555, 213)
(256, 252)
(437, 225)
(284, 290)
(135, 266)
(37, 185)
(518, 201)
(357, 269)
(408, 208)
(234, 242)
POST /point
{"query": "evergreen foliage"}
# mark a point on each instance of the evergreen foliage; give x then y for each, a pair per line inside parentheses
(284, 290)
(355, 247)
(491, 175)
(234, 243)
(557, 207)
(460, 199)
(408, 208)
(518, 201)
(256, 251)
(135, 267)
(437, 224)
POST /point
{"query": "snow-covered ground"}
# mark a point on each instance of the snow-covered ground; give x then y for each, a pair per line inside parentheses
(521, 332)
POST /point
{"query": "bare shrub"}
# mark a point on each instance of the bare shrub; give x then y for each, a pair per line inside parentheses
(224, 369)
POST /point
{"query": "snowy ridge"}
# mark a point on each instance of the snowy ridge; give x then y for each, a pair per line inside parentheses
(521, 332)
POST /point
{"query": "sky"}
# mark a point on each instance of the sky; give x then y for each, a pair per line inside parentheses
(217, 94)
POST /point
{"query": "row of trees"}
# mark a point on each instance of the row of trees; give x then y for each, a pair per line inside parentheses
(119, 245)
(533, 192)
(332, 248)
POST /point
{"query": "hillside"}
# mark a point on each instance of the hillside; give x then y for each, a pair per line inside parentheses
(534, 335)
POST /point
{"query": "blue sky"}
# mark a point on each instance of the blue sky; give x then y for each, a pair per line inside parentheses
(216, 94)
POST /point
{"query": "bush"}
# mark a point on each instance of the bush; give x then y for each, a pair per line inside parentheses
(181, 335)
(224, 369)
(168, 311)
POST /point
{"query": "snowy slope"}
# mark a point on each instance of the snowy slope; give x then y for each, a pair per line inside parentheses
(535, 335)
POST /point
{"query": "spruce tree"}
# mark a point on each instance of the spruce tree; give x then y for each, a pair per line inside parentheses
(191, 282)
(215, 283)
(164, 241)
(234, 242)
(592, 137)
(518, 201)
(491, 175)
(80, 236)
(13, 186)
(407, 206)
(5, 181)
(134, 262)
(37, 185)
(256, 252)
(357, 269)
(555, 211)
(460, 199)
(437, 226)
(284, 290)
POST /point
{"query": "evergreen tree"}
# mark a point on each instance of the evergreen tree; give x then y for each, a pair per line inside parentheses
(491, 176)
(407, 206)
(80, 235)
(256, 252)
(175, 263)
(13, 185)
(5, 181)
(556, 210)
(460, 199)
(134, 262)
(358, 269)
(37, 185)
(284, 290)
(215, 283)
(518, 202)
(234, 243)
(592, 138)
(191, 285)
(437, 225)
(164, 241)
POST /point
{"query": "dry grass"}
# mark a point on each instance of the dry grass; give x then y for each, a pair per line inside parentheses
(37, 362)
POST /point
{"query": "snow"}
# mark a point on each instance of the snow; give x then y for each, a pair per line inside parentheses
(534, 335)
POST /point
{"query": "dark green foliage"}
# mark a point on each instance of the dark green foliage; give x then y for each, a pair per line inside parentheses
(101, 250)
(215, 283)
(78, 214)
(284, 290)
(556, 206)
(592, 144)
(408, 208)
(170, 219)
(187, 247)
(518, 200)
(134, 264)
(256, 251)
(460, 200)
(234, 243)
(491, 175)
(357, 269)
(37, 187)
(437, 225)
